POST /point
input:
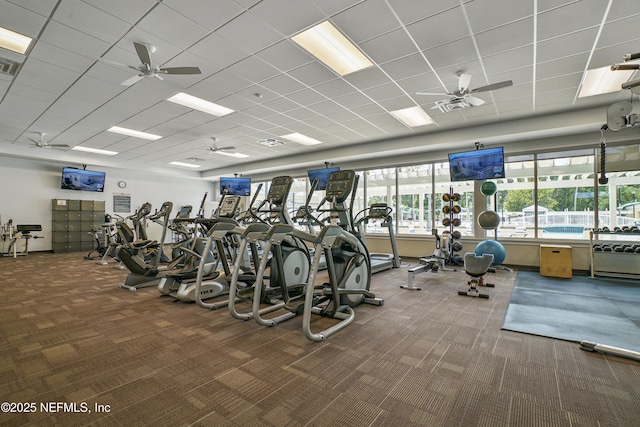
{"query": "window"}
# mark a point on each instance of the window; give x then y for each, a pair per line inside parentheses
(566, 199)
(514, 199)
(380, 188)
(415, 214)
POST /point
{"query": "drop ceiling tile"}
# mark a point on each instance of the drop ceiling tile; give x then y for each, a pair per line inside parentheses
(171, 26)
(249, 33)
(313, 73)
(516, 58)
(307, 97)
(335, 88)
(366, 20)
(389, 46)
(367, 78)
(411, 11)
(439, 30)
(211, 14)
(23, 20)
(76, 41)
(562, 20)
(506, 37)
(502, 12)
(282, 84)
(219, 51)
(271, 12)
(91, 21)
(253, 69)
(284, 56)
(455, 56)
(570, 44)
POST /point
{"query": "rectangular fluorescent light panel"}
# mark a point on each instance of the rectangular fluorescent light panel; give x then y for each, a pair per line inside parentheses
(199, 104)
(329, 45)
(94, 150)
(412, 117)
(602, 80)
(236, 155)
(14, 41)
(184, 165)
(301, 139)
(134, 133)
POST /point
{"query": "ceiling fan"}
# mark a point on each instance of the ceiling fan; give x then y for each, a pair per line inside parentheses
(41, 143)
(462, 97)
(147, 68)
(215, 149)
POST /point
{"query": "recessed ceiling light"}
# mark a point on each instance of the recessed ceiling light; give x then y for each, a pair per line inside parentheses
(94, 150)
(14, 41)
(134, 133)
(412, 116)
(301, 139)
(184, 165)
(329, 45)
(199, 104)
(236, 155)
(603, 80)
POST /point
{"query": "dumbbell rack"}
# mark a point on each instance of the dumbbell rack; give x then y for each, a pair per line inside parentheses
(612, 262)
(453, 220)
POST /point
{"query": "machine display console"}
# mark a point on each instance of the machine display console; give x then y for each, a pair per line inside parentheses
(229, 206)
(340, 185)
(279, 190)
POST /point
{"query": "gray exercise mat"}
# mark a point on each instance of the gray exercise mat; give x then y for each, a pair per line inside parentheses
(601, 310)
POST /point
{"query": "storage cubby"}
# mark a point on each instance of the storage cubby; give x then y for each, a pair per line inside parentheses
(71, 222)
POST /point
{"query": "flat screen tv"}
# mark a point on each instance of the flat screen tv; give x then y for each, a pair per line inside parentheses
(235, 186)
(83, 180)
(322, 175)
(487, 163)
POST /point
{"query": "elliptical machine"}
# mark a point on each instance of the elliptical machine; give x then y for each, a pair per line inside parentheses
(348, 265)
(284, 255)
(182, 284)
(144, 273)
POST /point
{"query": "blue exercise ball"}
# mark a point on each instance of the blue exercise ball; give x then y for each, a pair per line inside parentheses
(489, 220)
(492, 247)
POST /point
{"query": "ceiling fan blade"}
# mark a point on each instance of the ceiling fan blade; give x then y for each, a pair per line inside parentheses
(143, 53)
(473, 101)
(433, 93)
(463, 83)
(132, 80)
(180, 70)
(227, 148)
(58, 145)
(494, 86)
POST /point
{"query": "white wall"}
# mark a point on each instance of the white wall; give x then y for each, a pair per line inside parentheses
(29, 186)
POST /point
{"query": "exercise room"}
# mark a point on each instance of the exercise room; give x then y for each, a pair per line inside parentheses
(320, 213)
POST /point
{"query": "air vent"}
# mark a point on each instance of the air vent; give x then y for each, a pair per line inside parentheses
(270, 142)
(9, 67)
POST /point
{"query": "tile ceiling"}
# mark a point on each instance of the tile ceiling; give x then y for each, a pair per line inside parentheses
(69, 83)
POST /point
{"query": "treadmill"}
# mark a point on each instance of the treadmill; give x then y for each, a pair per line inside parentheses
(379, 212)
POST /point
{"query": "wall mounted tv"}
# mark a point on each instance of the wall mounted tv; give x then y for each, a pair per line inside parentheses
(322, 175)
(487, 163)
(83, 180)
(235, 186)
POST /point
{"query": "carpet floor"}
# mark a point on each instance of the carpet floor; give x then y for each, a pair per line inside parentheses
(72, 340)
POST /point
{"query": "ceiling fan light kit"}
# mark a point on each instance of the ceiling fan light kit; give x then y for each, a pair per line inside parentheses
(462, 98)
